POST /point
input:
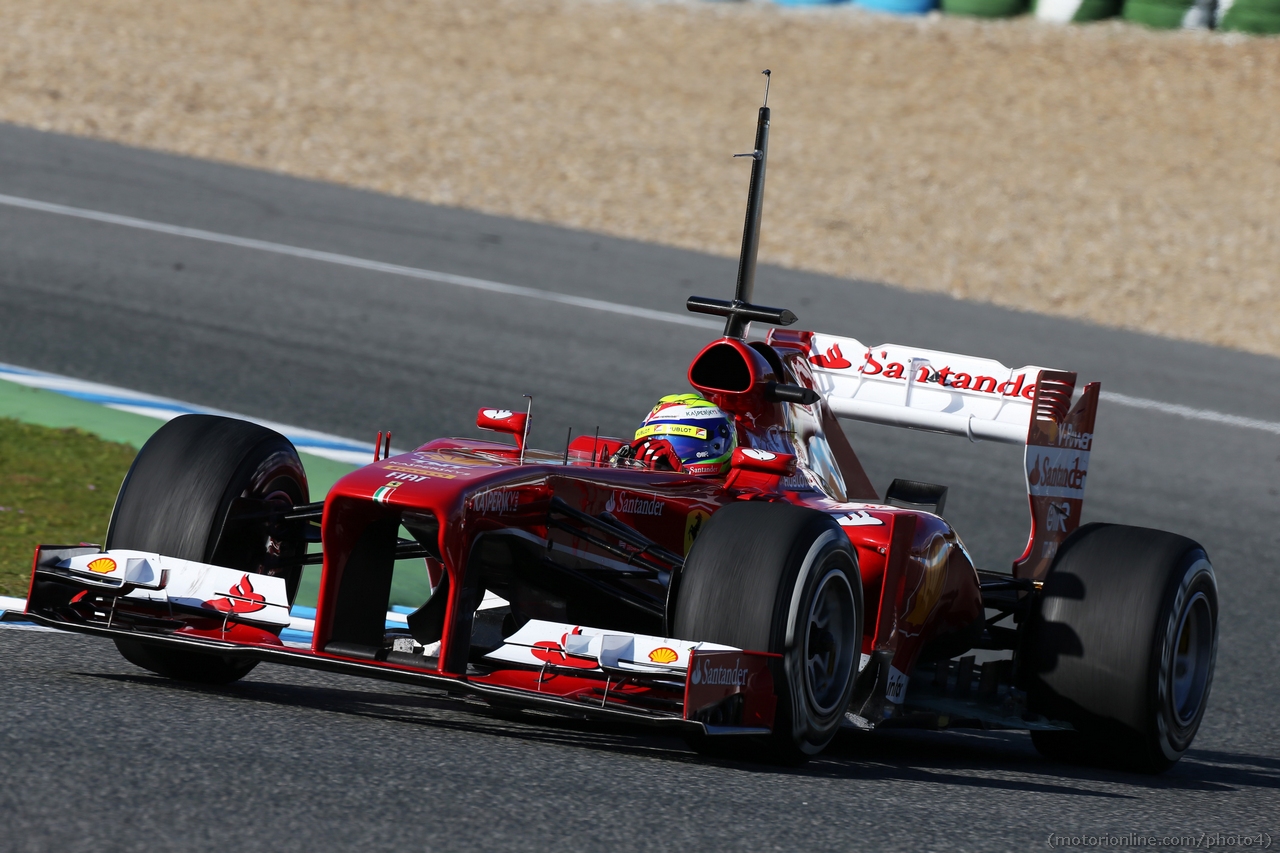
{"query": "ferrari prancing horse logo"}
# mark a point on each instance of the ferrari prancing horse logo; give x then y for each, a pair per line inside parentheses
(693, 526)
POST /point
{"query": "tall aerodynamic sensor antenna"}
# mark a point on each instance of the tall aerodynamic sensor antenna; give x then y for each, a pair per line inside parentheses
(740, 312)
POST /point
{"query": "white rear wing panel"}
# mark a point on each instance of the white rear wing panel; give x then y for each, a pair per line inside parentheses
(897, 385)
(978, 398)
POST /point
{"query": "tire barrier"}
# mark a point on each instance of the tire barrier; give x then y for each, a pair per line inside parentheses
(897, 7)
(1167, 14)
(900, 7)
(985, 8)
(1075, 11)
(1261, 17)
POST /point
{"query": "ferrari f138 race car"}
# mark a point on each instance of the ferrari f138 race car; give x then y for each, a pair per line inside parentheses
(755, 599)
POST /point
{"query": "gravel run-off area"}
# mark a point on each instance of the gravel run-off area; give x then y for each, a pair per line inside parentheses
(1105, 172)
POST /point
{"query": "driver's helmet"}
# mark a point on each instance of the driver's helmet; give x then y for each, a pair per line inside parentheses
(701, 434)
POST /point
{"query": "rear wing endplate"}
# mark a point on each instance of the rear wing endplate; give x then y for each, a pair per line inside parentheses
(980, 399)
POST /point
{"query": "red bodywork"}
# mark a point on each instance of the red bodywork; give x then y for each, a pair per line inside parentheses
(474, 488)
(487, 514)
(579, 549)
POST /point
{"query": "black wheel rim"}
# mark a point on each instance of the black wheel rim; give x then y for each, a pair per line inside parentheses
(829, 641)
(1192, 659)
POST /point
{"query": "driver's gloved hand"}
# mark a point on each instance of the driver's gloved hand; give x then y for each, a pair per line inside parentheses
(656, 454)
(622, 457)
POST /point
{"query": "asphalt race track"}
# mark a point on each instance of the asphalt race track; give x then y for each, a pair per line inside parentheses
(99, 755)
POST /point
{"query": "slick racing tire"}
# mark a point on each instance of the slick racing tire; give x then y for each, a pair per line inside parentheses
(1122, 647)
(778, 578)
(175, 501)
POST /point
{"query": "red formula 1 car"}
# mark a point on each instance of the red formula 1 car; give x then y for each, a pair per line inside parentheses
(755, 609)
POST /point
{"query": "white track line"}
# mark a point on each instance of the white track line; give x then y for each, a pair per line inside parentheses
(1190, 413)
(1186, 412)
(363, 263)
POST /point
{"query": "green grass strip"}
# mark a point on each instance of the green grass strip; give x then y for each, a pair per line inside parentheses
(54, 447)
(57, 487)
(51, 409)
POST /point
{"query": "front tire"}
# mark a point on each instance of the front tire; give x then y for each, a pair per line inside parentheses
(176, 500)
(1122, 646)
(784, 579)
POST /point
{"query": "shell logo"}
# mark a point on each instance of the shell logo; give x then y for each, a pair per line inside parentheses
(102, 565)
(662, 654)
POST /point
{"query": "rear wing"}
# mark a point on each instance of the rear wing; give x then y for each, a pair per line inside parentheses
(896, 385)
(978, 398)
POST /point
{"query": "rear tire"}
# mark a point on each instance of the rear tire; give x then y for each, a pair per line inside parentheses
(175, 501)
(1122, 646)
(778, 578)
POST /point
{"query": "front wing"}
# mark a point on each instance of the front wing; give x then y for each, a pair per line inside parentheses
(586, 672)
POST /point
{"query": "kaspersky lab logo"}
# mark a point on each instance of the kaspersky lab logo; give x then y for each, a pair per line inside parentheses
(727, 676)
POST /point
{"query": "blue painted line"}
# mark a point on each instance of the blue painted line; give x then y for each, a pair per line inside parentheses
(116, 400)
(10, 368)
(290, 635)
(309, 441)
(294, 635)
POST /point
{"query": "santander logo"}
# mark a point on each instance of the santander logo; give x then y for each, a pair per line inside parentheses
(758, 455)
(239, 599)
(885, 368)
(550, 651)
(726, 676)
(1057, 473)
(619, 502)
(1045, 473)
(833, 360)
(497, 414)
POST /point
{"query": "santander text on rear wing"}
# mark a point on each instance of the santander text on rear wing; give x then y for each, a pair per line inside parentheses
(983, 400)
